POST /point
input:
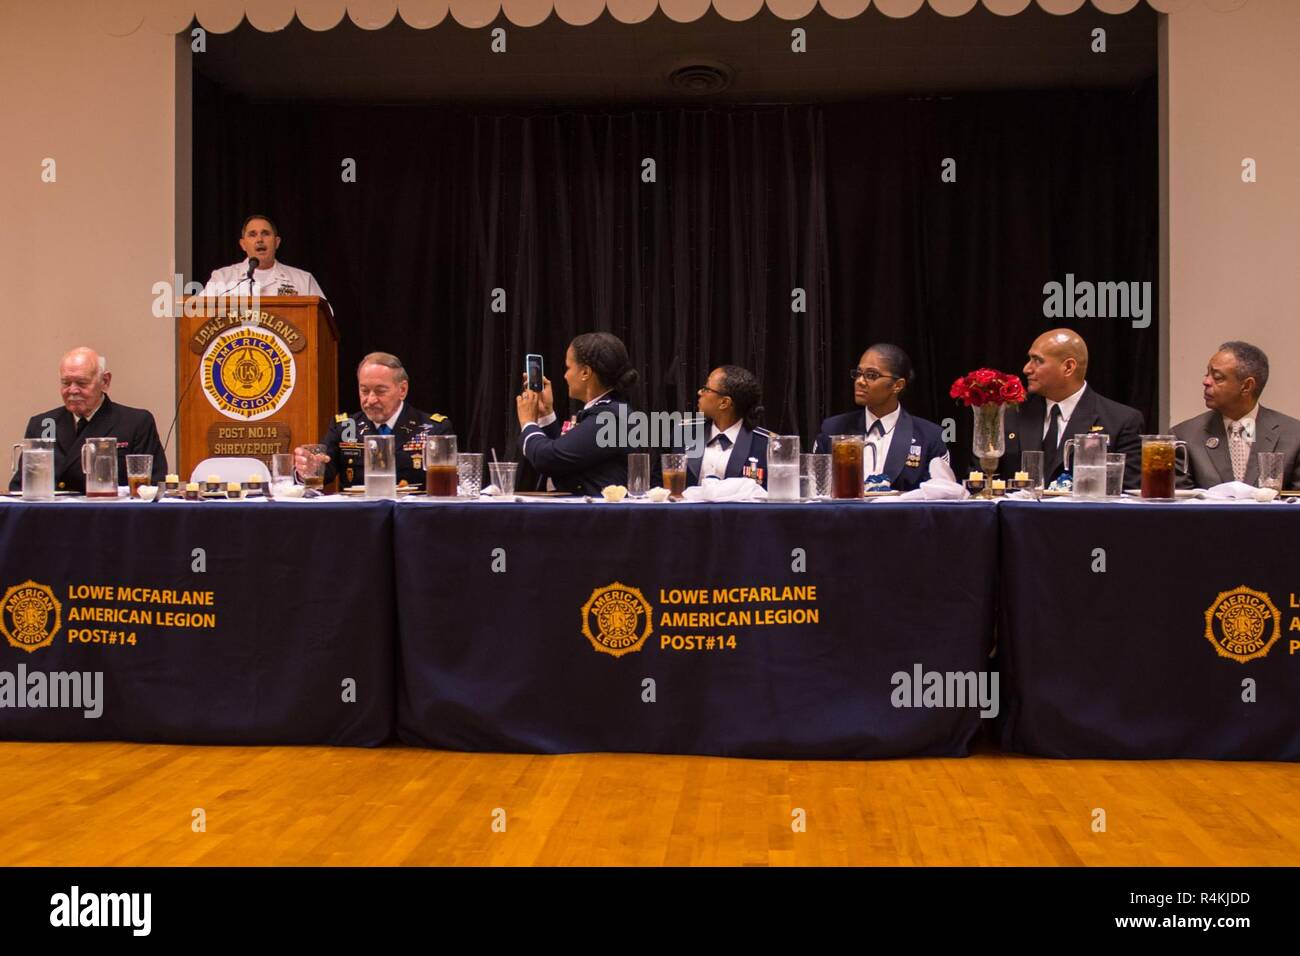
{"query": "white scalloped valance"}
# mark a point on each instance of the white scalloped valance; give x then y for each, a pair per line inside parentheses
(123, 17)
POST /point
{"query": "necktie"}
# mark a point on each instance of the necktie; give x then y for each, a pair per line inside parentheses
(721, 440)
(1237, 448)
(877, 430)
(384, 429)
(1050, 442)
(81, 425)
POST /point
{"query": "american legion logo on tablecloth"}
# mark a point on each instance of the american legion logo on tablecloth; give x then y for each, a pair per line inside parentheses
(617, 619)
(30, 616)
(1243, 624)
(248, 373)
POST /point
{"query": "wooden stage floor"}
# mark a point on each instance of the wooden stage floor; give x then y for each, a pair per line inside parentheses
(133, 804)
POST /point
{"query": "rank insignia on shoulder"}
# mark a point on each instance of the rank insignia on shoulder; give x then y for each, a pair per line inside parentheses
(759, 430)
(438, 418)
(341, 417)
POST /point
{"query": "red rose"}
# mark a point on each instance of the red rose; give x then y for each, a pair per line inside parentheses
(985, 376)
(1011, 392)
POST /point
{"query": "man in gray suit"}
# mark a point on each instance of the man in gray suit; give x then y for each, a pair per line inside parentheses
(1223, 444)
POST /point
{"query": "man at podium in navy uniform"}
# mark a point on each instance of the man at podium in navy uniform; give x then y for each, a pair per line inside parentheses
(383, 384)
(88, 412)
(260, 240)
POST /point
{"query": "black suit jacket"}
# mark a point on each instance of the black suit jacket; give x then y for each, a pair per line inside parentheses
(348, 456)
(580, 460)
(905, 468)
(1094, 413)
(750, 443)
(133, 428)
(1211, 461)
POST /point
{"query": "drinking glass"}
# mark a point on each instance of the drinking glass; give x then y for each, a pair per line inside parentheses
(674, 470)
(381, 466)
(1270, 470)
(638, 474)
(441, 466)
(469, 472)
(503, 476)
(1115, 474)
(846, 466)
(814, 476)
(783, 468)
(1031, 462)
(139, 469)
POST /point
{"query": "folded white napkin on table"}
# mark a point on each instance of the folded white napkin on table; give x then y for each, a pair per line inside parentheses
(935, 489)
(1239, 491)
(726, 489)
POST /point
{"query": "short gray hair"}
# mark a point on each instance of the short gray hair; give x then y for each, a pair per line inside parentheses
(387, 360)
(1251, 363)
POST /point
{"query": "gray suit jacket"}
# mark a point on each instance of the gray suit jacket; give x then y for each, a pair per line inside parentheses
(1211, 463)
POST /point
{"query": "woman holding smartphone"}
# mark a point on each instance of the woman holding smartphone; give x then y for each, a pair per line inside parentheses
(577, 456)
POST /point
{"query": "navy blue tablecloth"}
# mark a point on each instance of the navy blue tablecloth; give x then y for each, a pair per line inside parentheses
(301, 604)
(493, 600)
(1118, 663)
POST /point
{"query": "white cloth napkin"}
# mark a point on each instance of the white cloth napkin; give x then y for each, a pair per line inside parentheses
(726, 489)
(942, 485)
(935, 489)
(1233, 491)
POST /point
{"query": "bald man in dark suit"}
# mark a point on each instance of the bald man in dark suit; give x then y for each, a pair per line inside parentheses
(1062, 405)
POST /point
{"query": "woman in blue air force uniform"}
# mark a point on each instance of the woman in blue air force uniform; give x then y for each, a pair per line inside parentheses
(733, 445)
(905, 449)
(575, 456)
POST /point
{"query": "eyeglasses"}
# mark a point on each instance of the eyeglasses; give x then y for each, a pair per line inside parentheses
(705, 388)
(870, 374)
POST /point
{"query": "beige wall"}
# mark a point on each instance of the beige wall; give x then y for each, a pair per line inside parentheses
(78, 256)
(1234, 248)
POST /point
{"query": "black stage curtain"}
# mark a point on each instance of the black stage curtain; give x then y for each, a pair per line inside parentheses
(697, 268)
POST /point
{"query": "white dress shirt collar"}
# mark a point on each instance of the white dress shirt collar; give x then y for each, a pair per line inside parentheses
(1068, 406)
(392, 422)
(1250, 420)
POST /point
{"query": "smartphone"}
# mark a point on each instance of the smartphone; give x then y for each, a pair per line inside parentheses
(533, 368)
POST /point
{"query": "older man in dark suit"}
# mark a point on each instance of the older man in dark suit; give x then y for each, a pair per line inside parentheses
(1223, 444)
(88, 412)
(1061, 405)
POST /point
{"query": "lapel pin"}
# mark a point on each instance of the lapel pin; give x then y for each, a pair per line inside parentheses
(1211, 442)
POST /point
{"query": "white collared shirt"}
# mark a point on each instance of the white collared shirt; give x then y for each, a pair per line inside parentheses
(876, 450)
(78, 419)
(715, 460)
(1067, 409)
(392, 422)
(1248, 421)
(277, 280)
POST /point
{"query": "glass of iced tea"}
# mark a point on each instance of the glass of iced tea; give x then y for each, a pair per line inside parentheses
(313, 479)
(846, 466)
(1158, 456)
(139, 469)
(674, 469)
(441, 466)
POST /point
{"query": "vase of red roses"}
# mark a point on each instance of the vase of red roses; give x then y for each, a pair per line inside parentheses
(987, 393)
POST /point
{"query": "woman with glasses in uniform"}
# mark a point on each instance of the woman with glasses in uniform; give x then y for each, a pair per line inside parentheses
(903, 448)
(733, 444)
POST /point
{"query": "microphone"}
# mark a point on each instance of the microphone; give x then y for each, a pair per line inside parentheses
(252, 265)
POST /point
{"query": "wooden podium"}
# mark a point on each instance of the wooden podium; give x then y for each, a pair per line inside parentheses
(255, 377)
